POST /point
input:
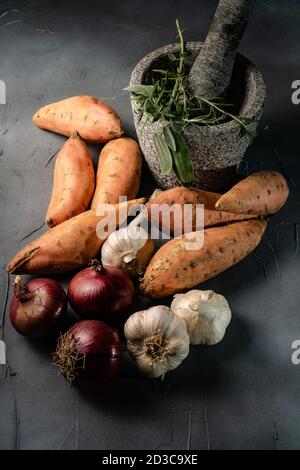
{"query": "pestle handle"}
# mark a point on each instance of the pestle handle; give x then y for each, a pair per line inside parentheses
(211, 72)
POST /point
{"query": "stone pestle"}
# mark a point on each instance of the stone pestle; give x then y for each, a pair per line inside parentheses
(211, 72)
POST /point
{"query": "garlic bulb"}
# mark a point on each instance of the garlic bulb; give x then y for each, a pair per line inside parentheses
(129, 248)
(157, 339)
(205, 313)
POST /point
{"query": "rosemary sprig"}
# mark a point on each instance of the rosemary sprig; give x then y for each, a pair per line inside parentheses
(168, 99)
(243, 124)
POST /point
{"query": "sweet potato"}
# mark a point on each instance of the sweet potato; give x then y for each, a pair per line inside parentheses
(262, 193)
(119, 171)
(182, 196)
(65, 247)
(175, 268)
(73, 184)
(93, 120)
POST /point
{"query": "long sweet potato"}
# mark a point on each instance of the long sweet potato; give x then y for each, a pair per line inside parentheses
(94, 120)
(182, 196)
(73, 184)
(119, 171)
(262, 193)
(65, 247)
(175, 268)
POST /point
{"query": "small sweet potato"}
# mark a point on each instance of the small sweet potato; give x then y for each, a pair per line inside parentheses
(65, 247)
(182, 196)
(119, 171)
(262, 193)
(174, 267)
(92, 119)
(73, 184)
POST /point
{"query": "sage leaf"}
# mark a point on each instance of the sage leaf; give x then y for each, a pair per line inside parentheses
(144, 90)
(148, 106)
(169, 138)
(182, 161)
(164, 154)
(172, 57)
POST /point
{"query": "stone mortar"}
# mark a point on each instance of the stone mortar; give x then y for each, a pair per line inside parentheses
(218, 150)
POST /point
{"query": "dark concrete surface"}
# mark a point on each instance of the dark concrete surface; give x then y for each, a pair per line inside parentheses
(242, 393)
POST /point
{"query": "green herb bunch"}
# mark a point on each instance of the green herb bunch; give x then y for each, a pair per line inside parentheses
(170, 100)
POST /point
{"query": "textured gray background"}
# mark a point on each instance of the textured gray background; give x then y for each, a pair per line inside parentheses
(242, 393)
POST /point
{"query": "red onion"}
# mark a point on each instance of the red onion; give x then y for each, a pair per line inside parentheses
(88, 353)
(36, 307)
(101, 292)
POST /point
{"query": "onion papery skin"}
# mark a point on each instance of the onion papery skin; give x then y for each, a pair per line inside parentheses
(38, 315)
(89, 353)
(102, 294)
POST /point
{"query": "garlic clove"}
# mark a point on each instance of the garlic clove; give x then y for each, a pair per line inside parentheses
(206, 314)
(129, 257)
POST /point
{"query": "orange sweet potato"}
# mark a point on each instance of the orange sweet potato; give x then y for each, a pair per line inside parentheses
(65, 247)
(182, 196)
(174, 267)
(73, 184)
(119, 171)
(92, 119)
(262, 193)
